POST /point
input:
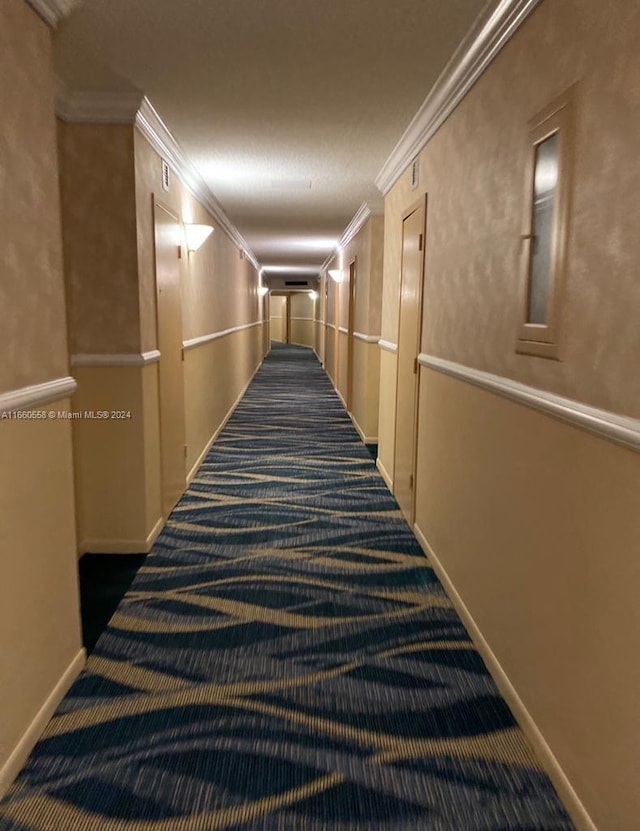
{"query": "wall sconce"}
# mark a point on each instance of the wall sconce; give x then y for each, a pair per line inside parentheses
(313, 295)
(336, 274)
(262, 290)
(196, 235)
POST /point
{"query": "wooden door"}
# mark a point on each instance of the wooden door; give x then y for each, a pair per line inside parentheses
(171, 368)
(409, 330)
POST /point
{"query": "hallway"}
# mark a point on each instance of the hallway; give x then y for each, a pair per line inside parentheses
(285, 659)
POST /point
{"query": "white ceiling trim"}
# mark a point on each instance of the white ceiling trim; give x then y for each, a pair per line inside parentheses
(359, 220)
(52, 11)
(97, 107)
(470, 60)
(134, 108)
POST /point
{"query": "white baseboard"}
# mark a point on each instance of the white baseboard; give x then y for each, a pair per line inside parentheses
(385, 474)
(366, 439)
(107, 546)
(220, 428)
(544, 753)
(20, 753)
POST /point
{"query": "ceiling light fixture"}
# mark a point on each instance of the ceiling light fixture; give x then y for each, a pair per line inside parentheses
(196, 235)
(336, 274)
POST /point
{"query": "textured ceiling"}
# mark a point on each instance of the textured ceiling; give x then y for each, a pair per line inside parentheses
(288, 108)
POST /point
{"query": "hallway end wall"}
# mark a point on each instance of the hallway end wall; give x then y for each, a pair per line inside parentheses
(532, 520)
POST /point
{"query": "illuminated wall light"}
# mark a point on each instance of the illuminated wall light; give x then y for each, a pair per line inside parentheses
(336, 274)
(313, 295)
(262, 290)
(196, 235)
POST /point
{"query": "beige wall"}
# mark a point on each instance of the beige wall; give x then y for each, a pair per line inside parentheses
(216, 375)
(535, 521)
(277, 317)
(301, 311)
(99, 233)
(536, 524)
(110, 178)
(40, 644)
(366, 250)
(32, 314)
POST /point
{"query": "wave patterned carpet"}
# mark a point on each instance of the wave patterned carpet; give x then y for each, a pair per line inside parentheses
(285, 659)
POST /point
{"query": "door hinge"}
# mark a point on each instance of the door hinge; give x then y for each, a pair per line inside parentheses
(185, 451)
(182, 353)
(420, 242)
(411, 481)
(179, 252)
(415, 366)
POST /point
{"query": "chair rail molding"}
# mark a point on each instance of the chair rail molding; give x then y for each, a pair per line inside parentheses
(619, 429)
(367, 338)
(202, 339)
(493, 29)
(37, 395)
(388, 346)
(120, 359)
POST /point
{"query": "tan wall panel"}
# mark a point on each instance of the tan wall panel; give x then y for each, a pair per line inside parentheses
(39, 608)
(117, 469)
(365, 388)
(302, 332)
(32, 311)
(536, 523)
(216, 373)
(341, 373)
(99, 235)
(330, 354)
(387, 412)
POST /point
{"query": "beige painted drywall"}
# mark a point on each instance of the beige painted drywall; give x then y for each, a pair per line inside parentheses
(231, 362)
(40, 640)
(39, 608)
(536, 524)
(99, 234)
(473, 171)
(117, 473)
(301, 312)
(32, 312)
(535, 521)
(277, 306)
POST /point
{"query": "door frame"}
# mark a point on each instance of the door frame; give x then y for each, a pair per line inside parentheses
(353, 272)
(415, 206)
(155, 204)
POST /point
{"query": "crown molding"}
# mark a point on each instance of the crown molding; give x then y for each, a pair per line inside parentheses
(97, 107)
(493, 29)
(157, 133)
(37, 395)
(619, 429)
(52, 11)
(358, 221)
